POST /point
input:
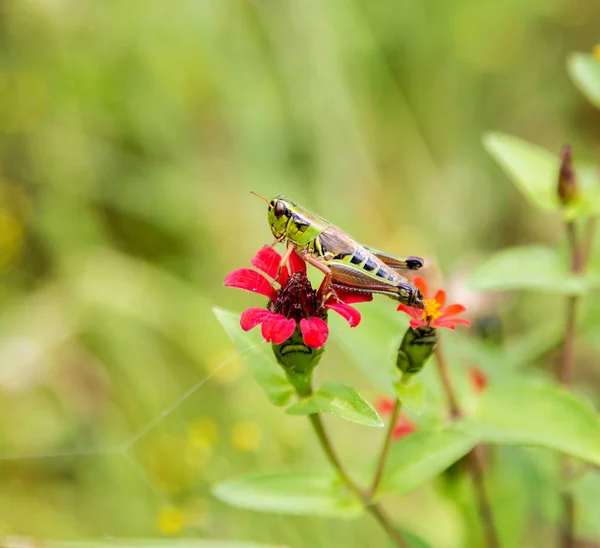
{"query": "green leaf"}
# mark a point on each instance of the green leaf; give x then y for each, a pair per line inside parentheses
(411, 394)
(258, 356)
(296, 493)
(528, 267)
(341, 400)
(372, 346)
(585, 492)
(154, 543)
(422, 456)
(584, 70)
(536, 413)
(535, 171)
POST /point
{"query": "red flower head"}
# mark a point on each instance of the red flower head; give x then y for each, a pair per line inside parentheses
(403, 426)
(294, 303)
(435, 314)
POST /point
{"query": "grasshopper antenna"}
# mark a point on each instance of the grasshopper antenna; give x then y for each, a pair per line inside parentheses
(259, 196)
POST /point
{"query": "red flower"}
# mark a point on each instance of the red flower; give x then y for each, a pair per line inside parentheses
(385, 406)
(403, 426)
(294, 303)
(478, 379)
(434, 314)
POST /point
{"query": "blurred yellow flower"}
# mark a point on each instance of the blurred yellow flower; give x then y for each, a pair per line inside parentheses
(171, 520)
(169, 465)
(245, 436)
(203, 433)
(224, 366)
(596, 51)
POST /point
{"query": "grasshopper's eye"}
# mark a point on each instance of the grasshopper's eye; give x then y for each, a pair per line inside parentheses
(404, 292)
(280, 209)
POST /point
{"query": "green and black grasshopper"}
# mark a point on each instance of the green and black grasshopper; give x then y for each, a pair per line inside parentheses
(346, 264)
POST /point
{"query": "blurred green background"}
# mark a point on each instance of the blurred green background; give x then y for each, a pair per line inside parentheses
(132, 133)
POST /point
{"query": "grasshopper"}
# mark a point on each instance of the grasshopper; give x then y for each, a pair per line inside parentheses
(345, 263)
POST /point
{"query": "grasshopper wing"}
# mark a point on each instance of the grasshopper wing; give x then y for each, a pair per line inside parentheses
(401, 263)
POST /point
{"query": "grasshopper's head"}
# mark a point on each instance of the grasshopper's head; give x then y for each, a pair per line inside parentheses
(280, 213)
(410, 295)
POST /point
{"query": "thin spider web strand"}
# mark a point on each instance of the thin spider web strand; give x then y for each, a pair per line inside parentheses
(174, 405)
(143, 475)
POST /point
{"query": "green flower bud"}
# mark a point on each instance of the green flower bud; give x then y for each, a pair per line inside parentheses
(415, 349)
(298, 360)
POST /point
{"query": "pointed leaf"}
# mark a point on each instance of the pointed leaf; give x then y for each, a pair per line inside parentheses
(422, 456)
(258, 356)
(412, 395)
(341, 400)
(531, 412)
(528, 267)
(534, 171)
(584, 70)
(297, 493)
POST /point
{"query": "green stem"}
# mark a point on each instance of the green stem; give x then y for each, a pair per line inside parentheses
(374, 509)
(385, 448)
(474, 458)
(564, 373)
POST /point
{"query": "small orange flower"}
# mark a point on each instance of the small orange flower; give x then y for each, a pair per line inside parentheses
(478, 379)
(434, 314)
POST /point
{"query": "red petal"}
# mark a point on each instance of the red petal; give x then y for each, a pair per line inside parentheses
(351, 315)
(416, 323)
(412, 312)
(422, 285)
(314, 332)
(267, 260)
(296, 263)
(442, 321)
(250, 280)
(440, 297)
(252, 317)
(385, 406)
(403, 428)
(351, 297)
(453, 310)
(277, 328)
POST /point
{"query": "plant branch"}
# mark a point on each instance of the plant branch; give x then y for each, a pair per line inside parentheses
(373, 508)
(385, 448)
(474, 458)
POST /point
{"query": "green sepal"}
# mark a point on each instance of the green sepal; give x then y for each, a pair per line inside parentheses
(415, 349)
(298, 360)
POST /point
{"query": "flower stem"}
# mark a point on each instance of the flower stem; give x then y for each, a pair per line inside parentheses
(385, 448)
(564, 373)
(374, 509)
(474, 458)
(443, 370)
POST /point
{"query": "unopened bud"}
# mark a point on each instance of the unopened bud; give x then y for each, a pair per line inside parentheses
(415, 349)
(298, 360)
(567, 180)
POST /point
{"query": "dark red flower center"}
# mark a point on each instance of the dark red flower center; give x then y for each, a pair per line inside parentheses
(297, 299)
